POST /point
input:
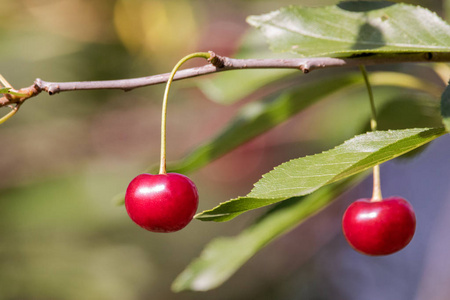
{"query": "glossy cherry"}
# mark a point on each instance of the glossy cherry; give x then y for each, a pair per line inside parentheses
(379, 227)
(161, 203)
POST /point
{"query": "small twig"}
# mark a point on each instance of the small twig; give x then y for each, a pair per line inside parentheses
(19, 96)
(221, 63)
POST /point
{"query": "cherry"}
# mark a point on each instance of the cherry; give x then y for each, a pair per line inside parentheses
(379, 227)
(162, 202)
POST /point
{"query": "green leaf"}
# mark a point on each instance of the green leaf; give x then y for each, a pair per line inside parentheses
(445, 107)
(7, 90)
(354, 27)
(258, 117)
(305, 175)
(222, 257)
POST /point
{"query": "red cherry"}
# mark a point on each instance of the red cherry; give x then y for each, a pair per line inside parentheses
(379, 227)
(161, 203)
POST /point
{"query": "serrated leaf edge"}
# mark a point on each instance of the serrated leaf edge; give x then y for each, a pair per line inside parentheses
(335, 178)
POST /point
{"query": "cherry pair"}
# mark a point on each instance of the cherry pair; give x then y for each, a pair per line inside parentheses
(167, 202)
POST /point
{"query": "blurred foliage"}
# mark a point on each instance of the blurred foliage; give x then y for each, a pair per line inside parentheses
(223, 256)
(158, 28)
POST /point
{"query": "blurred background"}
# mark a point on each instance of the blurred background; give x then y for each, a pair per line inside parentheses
(65, 157)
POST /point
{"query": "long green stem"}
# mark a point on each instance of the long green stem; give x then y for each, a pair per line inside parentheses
(206, 55)
(373, 117)
(10, 114)
(376, 195)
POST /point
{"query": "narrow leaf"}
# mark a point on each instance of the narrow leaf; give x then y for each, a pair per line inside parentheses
(7, 90)
(354, 27)
(222, 257)
(305, 175)
(445, 107)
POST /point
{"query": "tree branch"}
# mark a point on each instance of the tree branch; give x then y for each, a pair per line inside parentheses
(221, 63)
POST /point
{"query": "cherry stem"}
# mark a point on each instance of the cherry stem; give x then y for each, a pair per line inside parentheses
(376, 195)
(206, 55)
(13, 111)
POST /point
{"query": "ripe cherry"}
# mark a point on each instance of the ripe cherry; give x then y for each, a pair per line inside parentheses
(161, 203)
(379, 227)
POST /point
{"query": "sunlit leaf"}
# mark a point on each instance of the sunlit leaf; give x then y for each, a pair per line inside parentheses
(222, 257)
(354, 27)
(305, 175)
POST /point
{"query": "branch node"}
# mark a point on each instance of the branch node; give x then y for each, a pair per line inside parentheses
(304, 68)
(53, 89)
(49, 87)
(38, 85)
(216, 60)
